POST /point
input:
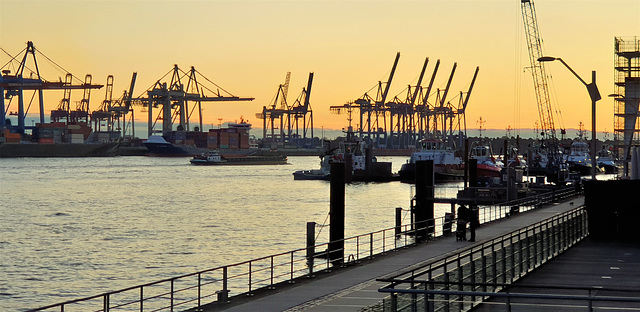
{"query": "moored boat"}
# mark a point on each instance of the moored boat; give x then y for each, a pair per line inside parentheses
(447, 166)
(488, 165)
(579, 159)
(606, 161)
(358, 158)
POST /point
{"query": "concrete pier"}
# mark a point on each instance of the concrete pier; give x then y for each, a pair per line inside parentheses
(354, 287)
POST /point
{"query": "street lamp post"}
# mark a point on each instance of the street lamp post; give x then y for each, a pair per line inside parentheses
(594, 94)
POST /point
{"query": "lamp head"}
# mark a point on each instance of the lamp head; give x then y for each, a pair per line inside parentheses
(547, 59)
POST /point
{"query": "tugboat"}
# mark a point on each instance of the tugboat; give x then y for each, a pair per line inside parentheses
(447, 166)
(488, 166)
(361, 164)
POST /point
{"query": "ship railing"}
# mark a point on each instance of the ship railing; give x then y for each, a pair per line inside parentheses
(217, 286)
(463, 280)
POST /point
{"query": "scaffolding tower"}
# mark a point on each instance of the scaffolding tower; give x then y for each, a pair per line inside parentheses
(626, 97)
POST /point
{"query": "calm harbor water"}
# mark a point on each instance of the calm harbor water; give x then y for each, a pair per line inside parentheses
(75, 227)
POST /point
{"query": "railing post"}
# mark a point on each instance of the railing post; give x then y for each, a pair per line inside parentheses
(384, 242)
(521, 255)
(371, 245)
(426, 298)
(494, 265)
(398, 221)
(105, 303)
(504, 262)
(527, 254)
(394, 302)
(199, 291)
(513, 259)
(172, 280)
(250, 273)
(223, 295)
(460, 280)
(291, 281)
(446, 285)
(142, 295)
(271, 286)
(414, 302)
(472, 268)
(535, 248)
(484, 269)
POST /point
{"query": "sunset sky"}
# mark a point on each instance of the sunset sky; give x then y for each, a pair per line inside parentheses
(247, 47)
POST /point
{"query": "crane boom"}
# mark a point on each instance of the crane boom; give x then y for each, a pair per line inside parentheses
(534, 44)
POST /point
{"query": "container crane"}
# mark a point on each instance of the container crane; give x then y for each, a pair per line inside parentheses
(15, 85)
(554, 165)
(271, 113)
(289, 129)
(174, 98)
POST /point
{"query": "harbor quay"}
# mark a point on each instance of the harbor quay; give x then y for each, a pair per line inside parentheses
(553, 258)
(355, 287)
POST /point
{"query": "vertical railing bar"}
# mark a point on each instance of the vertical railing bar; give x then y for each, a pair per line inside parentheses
(271, 286)
(446, 280)
(504, 262)
(172, 290)
(535, 248)
(494, 266)
(225, 282)
(291, 267)
(384, 242)
(142, 299)
(484, 269)
(460, 287)
(371, 245)
(250, 280)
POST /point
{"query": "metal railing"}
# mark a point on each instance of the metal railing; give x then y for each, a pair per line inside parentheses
(216, 285)
(460, 281)
(552, 297)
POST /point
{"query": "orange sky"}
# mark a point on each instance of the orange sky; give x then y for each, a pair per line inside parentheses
(247, 47)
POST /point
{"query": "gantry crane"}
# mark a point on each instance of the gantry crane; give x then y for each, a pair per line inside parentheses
(14, 86)
(554, 167)
(288, 116)
(174, 99)
(112, 114)
(410, 119)
(277, 112)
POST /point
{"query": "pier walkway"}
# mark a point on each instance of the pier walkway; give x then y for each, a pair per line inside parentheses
(354, 288)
